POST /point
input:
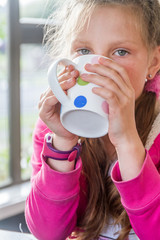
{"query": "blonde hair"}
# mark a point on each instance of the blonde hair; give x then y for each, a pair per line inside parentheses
(71, 16)
(103, 197)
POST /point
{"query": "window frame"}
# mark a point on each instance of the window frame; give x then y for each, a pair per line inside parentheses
(20, 31)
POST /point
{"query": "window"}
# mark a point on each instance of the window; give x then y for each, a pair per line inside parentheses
(23, 78)
(4, 133)
(33, 82)
(36, 8)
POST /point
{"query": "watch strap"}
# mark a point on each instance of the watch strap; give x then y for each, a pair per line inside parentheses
(50, 152)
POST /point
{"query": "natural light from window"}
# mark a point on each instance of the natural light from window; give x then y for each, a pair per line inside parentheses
(33, 81)
(4, 133)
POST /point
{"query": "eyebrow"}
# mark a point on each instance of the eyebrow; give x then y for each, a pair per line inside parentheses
(125, 41)
(80, 41)
(77, 41)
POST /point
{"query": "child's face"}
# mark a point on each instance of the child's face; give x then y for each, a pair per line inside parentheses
(113, 32)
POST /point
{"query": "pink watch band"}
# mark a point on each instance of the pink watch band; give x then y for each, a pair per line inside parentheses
(50, 152)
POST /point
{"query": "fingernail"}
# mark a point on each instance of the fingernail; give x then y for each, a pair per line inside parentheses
(103, 59)
(84, 75)
(87, 65)
(74, 73)
(69, 68)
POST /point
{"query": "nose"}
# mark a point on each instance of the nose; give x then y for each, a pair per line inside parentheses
(102, 53)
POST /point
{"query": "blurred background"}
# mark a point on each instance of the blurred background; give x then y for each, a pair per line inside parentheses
(23, 69)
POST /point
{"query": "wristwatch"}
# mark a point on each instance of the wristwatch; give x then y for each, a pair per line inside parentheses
(50, 152)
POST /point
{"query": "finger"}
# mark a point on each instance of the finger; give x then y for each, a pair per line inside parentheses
(67, 84)
(114, 100)
(47, 108)
(106, 83)
(47, 93)
(68, 68)
(44, 93)
(109, 73)
(48, 103)
(69, 71)
(116, 67)
(68, 75)
(110, 97)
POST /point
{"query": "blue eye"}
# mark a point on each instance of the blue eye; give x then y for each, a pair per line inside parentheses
(121, 53)
(83, 51)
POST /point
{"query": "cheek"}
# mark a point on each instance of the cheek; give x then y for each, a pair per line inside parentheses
(138, 87)
(137, 79)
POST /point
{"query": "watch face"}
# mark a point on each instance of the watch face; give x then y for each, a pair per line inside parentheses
(48, 138)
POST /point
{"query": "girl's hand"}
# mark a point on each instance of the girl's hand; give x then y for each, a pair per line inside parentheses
(49, 107)
(114, 85)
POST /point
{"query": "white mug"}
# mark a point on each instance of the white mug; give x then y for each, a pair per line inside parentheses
(83, 113)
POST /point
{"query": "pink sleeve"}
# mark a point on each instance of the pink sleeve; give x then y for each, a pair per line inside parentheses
(52, 205)
(141, 195)
(38, 138)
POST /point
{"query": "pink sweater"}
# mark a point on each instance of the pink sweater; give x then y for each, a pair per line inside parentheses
(56, 199)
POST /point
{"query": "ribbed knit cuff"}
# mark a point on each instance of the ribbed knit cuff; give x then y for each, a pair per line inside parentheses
(57, 185)
(140, 191)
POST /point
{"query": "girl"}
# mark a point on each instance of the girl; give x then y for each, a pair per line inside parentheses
(112, 191)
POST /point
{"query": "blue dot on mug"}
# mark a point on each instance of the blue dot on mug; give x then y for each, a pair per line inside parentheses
(80, 101)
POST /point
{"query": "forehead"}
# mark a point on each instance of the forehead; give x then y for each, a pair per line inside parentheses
(115, 20)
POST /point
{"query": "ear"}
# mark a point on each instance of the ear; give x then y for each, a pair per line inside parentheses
(154, 65)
